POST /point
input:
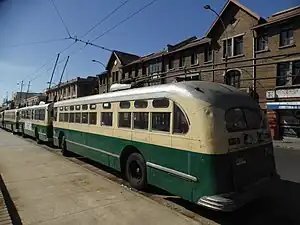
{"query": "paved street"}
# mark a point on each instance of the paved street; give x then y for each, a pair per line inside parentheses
(47, 188)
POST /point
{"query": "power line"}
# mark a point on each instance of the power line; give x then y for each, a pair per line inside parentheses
(37, 42)
(92, 44)
(61, 19)
(105, 18)
(124, 20)
(50, 60)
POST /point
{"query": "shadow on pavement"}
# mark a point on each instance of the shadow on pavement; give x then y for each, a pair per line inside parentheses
(280, 207)
(11, 208)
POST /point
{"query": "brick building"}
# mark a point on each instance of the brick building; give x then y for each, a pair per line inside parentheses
(258, 55)
(74, 88)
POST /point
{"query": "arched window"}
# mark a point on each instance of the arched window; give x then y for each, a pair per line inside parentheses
(233, 78)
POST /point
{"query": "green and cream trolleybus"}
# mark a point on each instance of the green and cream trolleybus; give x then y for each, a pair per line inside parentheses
(36, 122)
(1, 119)
(206, 142)
(11, 120)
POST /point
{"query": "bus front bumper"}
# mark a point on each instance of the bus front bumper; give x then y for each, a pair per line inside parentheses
(231, 201)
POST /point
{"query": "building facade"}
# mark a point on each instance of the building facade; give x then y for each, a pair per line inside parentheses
(19, 98)
(34, 100)
(74, 88)
(258, 55)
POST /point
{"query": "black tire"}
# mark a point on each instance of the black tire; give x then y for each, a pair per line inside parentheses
(136, 171)
(63, 146)
(38, 141)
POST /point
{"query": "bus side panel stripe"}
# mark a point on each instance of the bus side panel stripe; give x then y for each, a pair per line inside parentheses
(174, 172)
(95, 149)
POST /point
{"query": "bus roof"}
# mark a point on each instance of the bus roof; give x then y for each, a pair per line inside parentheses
(34, 107)
(212, 93)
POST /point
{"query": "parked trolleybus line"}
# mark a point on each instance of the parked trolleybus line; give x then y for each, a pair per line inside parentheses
(208, 143)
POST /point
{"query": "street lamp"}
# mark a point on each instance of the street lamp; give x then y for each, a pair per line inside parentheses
(96, 61)
(208, 7)
(102, 64)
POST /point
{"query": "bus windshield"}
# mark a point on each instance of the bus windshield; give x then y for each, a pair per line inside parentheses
(239, 119)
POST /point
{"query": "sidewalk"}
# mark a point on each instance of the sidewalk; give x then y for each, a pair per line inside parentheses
(49, 189)
(288, 143)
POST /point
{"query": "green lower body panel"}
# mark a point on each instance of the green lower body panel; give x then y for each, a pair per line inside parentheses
(42, 132)
(11, 126)
(187, 174)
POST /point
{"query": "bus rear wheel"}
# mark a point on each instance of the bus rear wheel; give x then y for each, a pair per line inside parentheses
(136, 171)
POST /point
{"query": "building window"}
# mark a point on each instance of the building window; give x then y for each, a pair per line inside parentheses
(208, 54)
(286, 37)
(227, 50)
(144, 69)
(171, 62)
(140, 120)
(123, 75)
(262, 43)
(117, 76)
(155, 67)
(106, 118)
(113, 76)
(181, 125)
(182, 61)
(296, 72)
(161, 121)
(238, 45)
(93, 118)
(235, 46)
(194, 58)
(125, 119)
(233, 78)
(130, 73)
(283, 70)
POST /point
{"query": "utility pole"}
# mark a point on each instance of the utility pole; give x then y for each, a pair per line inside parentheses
(21, 89)
(53, 70)
(27, 92)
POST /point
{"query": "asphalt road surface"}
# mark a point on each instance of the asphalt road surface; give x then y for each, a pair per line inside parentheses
(280, 207)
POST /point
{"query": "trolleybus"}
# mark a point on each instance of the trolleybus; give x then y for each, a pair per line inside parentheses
(206, 142)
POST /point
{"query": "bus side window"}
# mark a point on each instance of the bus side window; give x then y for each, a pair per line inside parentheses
(61, 117)
(181, 125)
(161, 121)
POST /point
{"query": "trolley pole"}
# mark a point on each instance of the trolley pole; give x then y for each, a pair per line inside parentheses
(50, 82)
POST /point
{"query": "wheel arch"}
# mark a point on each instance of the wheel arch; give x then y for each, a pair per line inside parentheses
(126, 152)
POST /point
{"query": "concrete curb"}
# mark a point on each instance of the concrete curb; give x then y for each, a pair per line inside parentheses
(4, 215)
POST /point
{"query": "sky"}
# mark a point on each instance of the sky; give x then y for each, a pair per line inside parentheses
(32, 34)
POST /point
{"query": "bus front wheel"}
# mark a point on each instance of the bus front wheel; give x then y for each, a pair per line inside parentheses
(136, 171)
